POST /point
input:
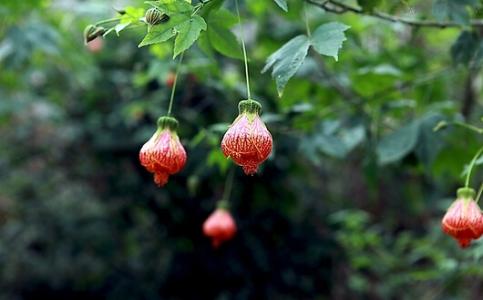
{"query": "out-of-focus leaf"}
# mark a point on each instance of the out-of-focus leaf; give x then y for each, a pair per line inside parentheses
(429, 142)
(454, 10)
(467, 49)
(368, 5)
(282, 4)
(398, 144)
(327, 39)
(287, 60)
(219, 35)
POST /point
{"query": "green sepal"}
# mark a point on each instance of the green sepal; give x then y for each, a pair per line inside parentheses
(165, 122)
(223, 204)
(466, 193)
(250, 107)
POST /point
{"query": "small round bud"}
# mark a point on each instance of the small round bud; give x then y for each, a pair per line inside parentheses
(91, 32)
(154, 16)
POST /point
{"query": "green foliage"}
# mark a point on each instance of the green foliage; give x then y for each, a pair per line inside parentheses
(187, 33)
(327, 40)
(398, 144)
(369, 5)
(287, 60)
(282, 4)
(218, 35)
(467, 49)
(454, 10)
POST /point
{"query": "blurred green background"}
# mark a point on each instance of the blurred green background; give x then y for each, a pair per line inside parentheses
(347, 207)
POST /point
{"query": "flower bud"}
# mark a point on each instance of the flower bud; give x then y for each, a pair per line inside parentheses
(463, 220)
(154, 16)
(220, 226)
(91, 32)
(163, 155)
(248, 141)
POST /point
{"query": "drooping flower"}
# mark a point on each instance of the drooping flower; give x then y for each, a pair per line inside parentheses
(163, 154)
(248, 141)
(220, 226)
(463, 220)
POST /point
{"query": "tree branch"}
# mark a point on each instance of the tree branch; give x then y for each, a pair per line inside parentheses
(342, 8)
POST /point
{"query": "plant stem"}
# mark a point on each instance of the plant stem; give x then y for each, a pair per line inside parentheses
(479, 193)
(178, 67)
(244, 51)
(307, 27)
(107, 21)
(472, 165)
(228, 185)
(469, 126)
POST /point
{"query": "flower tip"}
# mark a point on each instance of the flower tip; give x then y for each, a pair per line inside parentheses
(216, 243)
(161, 179)
(464, 243)
(250, 170)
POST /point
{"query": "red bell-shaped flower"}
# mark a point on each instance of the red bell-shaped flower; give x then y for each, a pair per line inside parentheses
(248, 141)
(220, 226)
(463, 220)
(163, 154)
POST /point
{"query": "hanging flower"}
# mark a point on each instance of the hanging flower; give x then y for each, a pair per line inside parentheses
(163, 154)
(220, 226)
(463, 220)
(248, 141)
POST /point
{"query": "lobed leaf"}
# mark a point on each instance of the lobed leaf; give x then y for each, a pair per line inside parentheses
(287, 60)
(188, 32)
(327, 39)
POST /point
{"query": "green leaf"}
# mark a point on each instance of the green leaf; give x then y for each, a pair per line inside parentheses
(132, 14)
(327, 39)
(429, 143)
(398, 144)
(210, 6)
(282, 4)
(171, 7)
(223, 17)
(468, 49)
(287, 60)
(163, 32)
(204, 44)
(333, 140)
(368, 5)
(219, 35)
(453, 10)
(121, 26)
(188, 33)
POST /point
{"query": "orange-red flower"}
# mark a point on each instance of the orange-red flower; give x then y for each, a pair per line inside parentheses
(220, 227)
(163, 154)
(463, 220)
(248, 141)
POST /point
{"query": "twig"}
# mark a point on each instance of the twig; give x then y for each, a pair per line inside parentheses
(342, 8)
